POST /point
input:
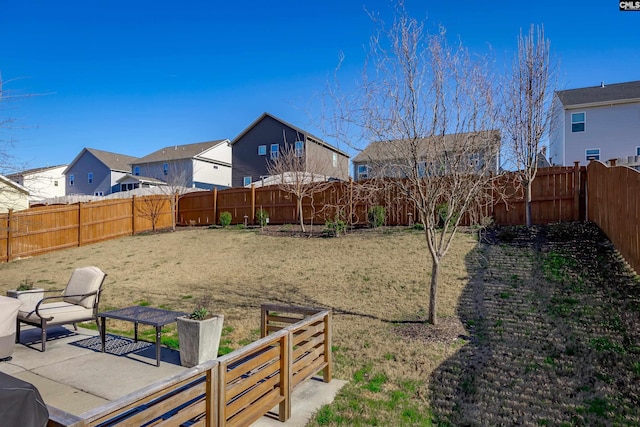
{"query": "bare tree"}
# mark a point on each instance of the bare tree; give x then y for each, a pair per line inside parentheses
(427, 111)
(152, 208)
(528, 97)
(295, 171)
(177, 180)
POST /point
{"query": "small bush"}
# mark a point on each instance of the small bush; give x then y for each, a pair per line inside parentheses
(376, 216)
(262, 216)
(225, 219)
(335, 228)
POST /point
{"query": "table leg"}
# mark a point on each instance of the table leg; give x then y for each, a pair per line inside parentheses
(158, 334)
(103, 331)
(135, 331)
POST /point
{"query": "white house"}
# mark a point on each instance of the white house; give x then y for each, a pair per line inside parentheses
(12, 195)
(204, 165)
(42, 183)
(600, 123)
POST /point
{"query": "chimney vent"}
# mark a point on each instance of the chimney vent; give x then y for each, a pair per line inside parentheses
(601, 84)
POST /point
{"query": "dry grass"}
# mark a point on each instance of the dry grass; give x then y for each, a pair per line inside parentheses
(527, 336)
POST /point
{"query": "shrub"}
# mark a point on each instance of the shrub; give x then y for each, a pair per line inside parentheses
(335, 228)
(225, 219)
(376, 216)
(262, 216)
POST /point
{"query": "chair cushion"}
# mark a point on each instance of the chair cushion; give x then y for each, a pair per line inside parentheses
(83, 281)
(62, 312)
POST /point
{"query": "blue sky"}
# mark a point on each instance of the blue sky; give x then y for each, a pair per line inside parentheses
(134, 76)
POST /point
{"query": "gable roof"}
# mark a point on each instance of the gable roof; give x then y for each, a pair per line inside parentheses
(179, 152)
(386, 150)
(613, 93)
(34, 170)
(114, 161)
(9, 183)
(313, 138)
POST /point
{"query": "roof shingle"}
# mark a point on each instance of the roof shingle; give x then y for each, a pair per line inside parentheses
(600, 94)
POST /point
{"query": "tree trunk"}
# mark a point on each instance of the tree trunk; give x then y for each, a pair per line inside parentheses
(300, 213)
(527, 204)
(433, 293)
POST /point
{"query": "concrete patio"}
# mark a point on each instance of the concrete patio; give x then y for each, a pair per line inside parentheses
(75, 376)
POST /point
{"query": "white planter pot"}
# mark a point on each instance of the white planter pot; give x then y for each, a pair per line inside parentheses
(199, 339)
(27, 298)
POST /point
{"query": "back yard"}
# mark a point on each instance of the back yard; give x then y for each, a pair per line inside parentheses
(536, 328)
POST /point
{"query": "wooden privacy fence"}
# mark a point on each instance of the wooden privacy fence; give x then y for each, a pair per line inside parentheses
(48, 228)
(558, 195)
(233, 390)
(613, 196)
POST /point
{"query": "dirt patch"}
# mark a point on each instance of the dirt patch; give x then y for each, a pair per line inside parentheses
(447, 331)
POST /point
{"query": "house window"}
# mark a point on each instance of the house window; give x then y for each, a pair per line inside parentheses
(274, 151)
(577, 122)
(637, 151)
(136, 170)
(55, 183)
(299, 148)
(90, 178)
(215, 166)
(363, 172)
(474, 159)
(98, 193)
(165, 169)
(246, 181)
(262, 150)
(335, 160)
(72, 180)
(593, 154)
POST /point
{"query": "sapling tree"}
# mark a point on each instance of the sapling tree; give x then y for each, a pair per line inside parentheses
(426, 111)
(296, 172)
(527, 106)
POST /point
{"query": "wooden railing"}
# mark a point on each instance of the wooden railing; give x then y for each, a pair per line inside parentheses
(233, 390)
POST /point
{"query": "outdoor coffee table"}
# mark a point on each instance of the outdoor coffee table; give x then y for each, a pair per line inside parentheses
(139, 314)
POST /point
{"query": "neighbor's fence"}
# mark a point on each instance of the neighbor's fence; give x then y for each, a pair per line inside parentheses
(558, 195)
(233, 390)
(45, 229)
(613, 195)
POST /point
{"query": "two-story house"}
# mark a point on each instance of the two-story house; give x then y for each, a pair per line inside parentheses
(204, 165)
(265, 139)
(599, 122)
(96, 172)
(432, 155)
(42, 183)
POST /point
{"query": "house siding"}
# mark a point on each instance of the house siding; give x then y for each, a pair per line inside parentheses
(556, 133)
(102, 179)
(614, 129)
(245, 158)
(156, 170)
(208, 175)
(41, 184)
(323, 161)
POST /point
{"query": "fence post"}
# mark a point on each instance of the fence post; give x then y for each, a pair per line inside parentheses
(215, 203)
(253, 204)
(133, 215)
(263, 322)
(9, 233)
(211, 397)
(327, 371)
(286, 360)
(576, 191)
(79, 223)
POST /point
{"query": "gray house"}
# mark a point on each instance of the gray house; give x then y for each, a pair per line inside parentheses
(267, 136)
(96, 173)
(599, 123)
(396, 159)
(204, 165)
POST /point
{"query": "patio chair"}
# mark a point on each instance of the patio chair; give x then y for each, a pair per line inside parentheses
(77, 303)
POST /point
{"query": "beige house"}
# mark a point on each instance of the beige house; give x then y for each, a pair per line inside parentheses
(12, 195)
(42, 183)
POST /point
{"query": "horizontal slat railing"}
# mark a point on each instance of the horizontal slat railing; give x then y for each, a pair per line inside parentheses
(232, 390)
